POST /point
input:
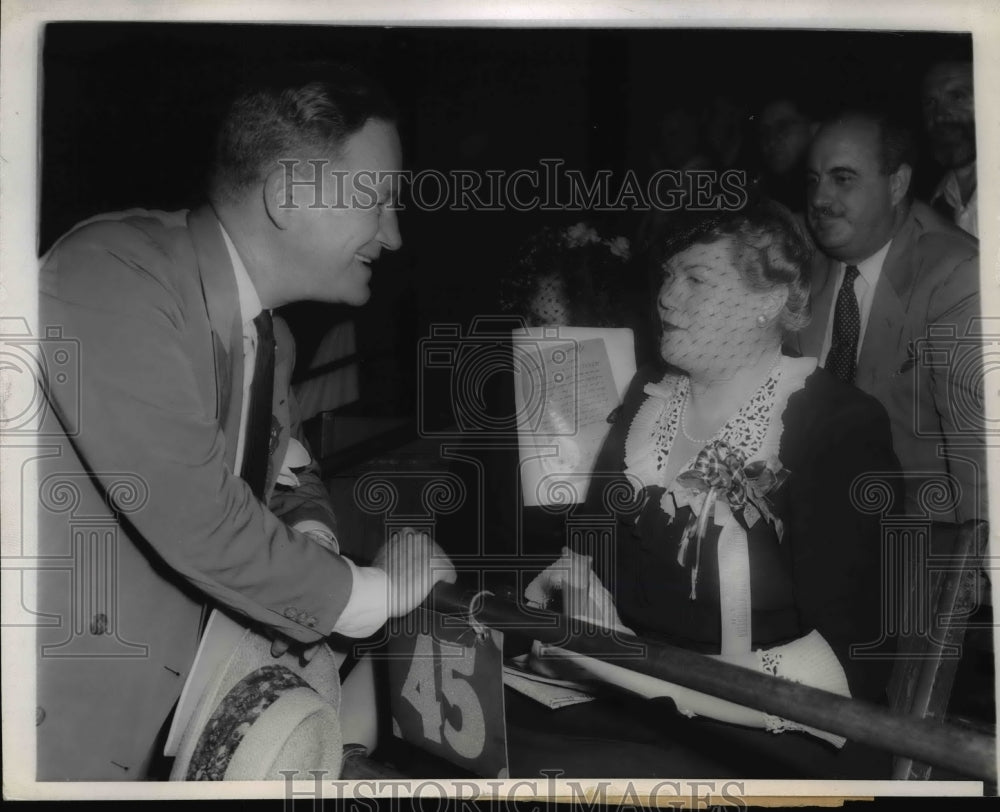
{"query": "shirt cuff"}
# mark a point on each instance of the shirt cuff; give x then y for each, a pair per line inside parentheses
(368, 607)
(312, 526)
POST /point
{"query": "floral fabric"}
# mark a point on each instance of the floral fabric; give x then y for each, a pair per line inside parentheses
(234, 716)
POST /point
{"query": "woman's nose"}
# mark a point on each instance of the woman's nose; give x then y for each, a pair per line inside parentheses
(667, 295)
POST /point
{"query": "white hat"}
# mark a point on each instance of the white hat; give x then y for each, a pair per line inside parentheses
(260, 715)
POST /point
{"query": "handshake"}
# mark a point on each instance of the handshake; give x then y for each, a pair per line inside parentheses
(413, 563)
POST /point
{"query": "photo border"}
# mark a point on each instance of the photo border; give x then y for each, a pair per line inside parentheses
(23, 22)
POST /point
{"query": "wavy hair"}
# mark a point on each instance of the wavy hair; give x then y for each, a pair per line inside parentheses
(307, 106)
(769, 247)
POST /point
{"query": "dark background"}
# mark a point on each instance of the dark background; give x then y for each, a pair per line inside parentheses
(129, 109)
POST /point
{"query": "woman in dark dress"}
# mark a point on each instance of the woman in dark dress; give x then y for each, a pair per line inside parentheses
(747, 538)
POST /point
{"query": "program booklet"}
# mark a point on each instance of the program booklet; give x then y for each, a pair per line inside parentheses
(567, 383)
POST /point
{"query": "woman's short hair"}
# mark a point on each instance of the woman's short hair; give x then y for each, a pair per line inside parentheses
(769, 247)
(311, 107)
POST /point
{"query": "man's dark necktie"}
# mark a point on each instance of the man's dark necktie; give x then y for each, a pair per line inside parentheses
(843, 356)
(258, 436)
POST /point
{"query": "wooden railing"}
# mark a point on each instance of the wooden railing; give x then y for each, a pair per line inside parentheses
(964, 751)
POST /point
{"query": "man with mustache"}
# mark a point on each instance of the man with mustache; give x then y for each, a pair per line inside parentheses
(950, 123)
(895, 291)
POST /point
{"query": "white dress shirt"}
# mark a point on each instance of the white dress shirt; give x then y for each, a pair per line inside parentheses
(966, 215)
(869, 271)
(366, 610)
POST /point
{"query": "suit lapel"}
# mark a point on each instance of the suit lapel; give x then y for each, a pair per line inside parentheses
(218, 283)
(889, 305)
(284, 361)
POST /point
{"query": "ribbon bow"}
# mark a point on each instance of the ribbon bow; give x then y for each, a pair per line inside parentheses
(762, 478)
(718, 467)
(720, 470)
(715, 471)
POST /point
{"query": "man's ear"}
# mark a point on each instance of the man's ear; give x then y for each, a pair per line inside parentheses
(278, 196)
(899, 183)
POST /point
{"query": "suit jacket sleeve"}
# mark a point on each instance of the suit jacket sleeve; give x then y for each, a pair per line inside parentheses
(144, 409)
(957, 384)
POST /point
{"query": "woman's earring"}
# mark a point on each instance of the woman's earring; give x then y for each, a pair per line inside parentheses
(761, 320)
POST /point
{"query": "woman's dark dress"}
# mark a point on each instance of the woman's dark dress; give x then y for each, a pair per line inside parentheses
(825, 574)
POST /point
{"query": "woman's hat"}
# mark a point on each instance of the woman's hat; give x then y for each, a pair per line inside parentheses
(262, 717)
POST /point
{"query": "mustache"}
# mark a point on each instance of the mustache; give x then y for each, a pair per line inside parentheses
(951, 130)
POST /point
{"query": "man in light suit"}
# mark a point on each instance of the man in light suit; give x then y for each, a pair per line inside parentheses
(179, 475)
(906, 331)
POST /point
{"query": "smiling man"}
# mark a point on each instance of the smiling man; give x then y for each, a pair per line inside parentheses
(895, 300)
(950, 123)
(185, 397)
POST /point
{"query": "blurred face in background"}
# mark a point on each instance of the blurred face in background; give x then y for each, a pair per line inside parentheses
(949, 113)
(783, 136)
(724, 118)
(677, 138)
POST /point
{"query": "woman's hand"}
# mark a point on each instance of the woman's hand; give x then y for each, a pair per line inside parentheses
(584, 596)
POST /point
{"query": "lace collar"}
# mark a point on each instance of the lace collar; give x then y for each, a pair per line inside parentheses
(755, 430)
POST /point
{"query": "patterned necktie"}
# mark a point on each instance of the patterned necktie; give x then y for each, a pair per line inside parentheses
(843, 356)
(258, 429)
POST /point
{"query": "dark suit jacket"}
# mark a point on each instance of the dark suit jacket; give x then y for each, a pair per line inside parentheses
(141, 514)
(920, 359)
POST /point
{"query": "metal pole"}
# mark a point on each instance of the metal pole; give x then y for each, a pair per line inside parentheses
(964, 751)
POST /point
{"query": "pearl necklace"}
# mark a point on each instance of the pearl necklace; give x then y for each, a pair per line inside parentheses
(687, 399)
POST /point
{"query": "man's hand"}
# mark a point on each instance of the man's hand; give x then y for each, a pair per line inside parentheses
(413, 564)
(306, 652)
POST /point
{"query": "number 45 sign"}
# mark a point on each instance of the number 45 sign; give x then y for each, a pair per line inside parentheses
(447, 693)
